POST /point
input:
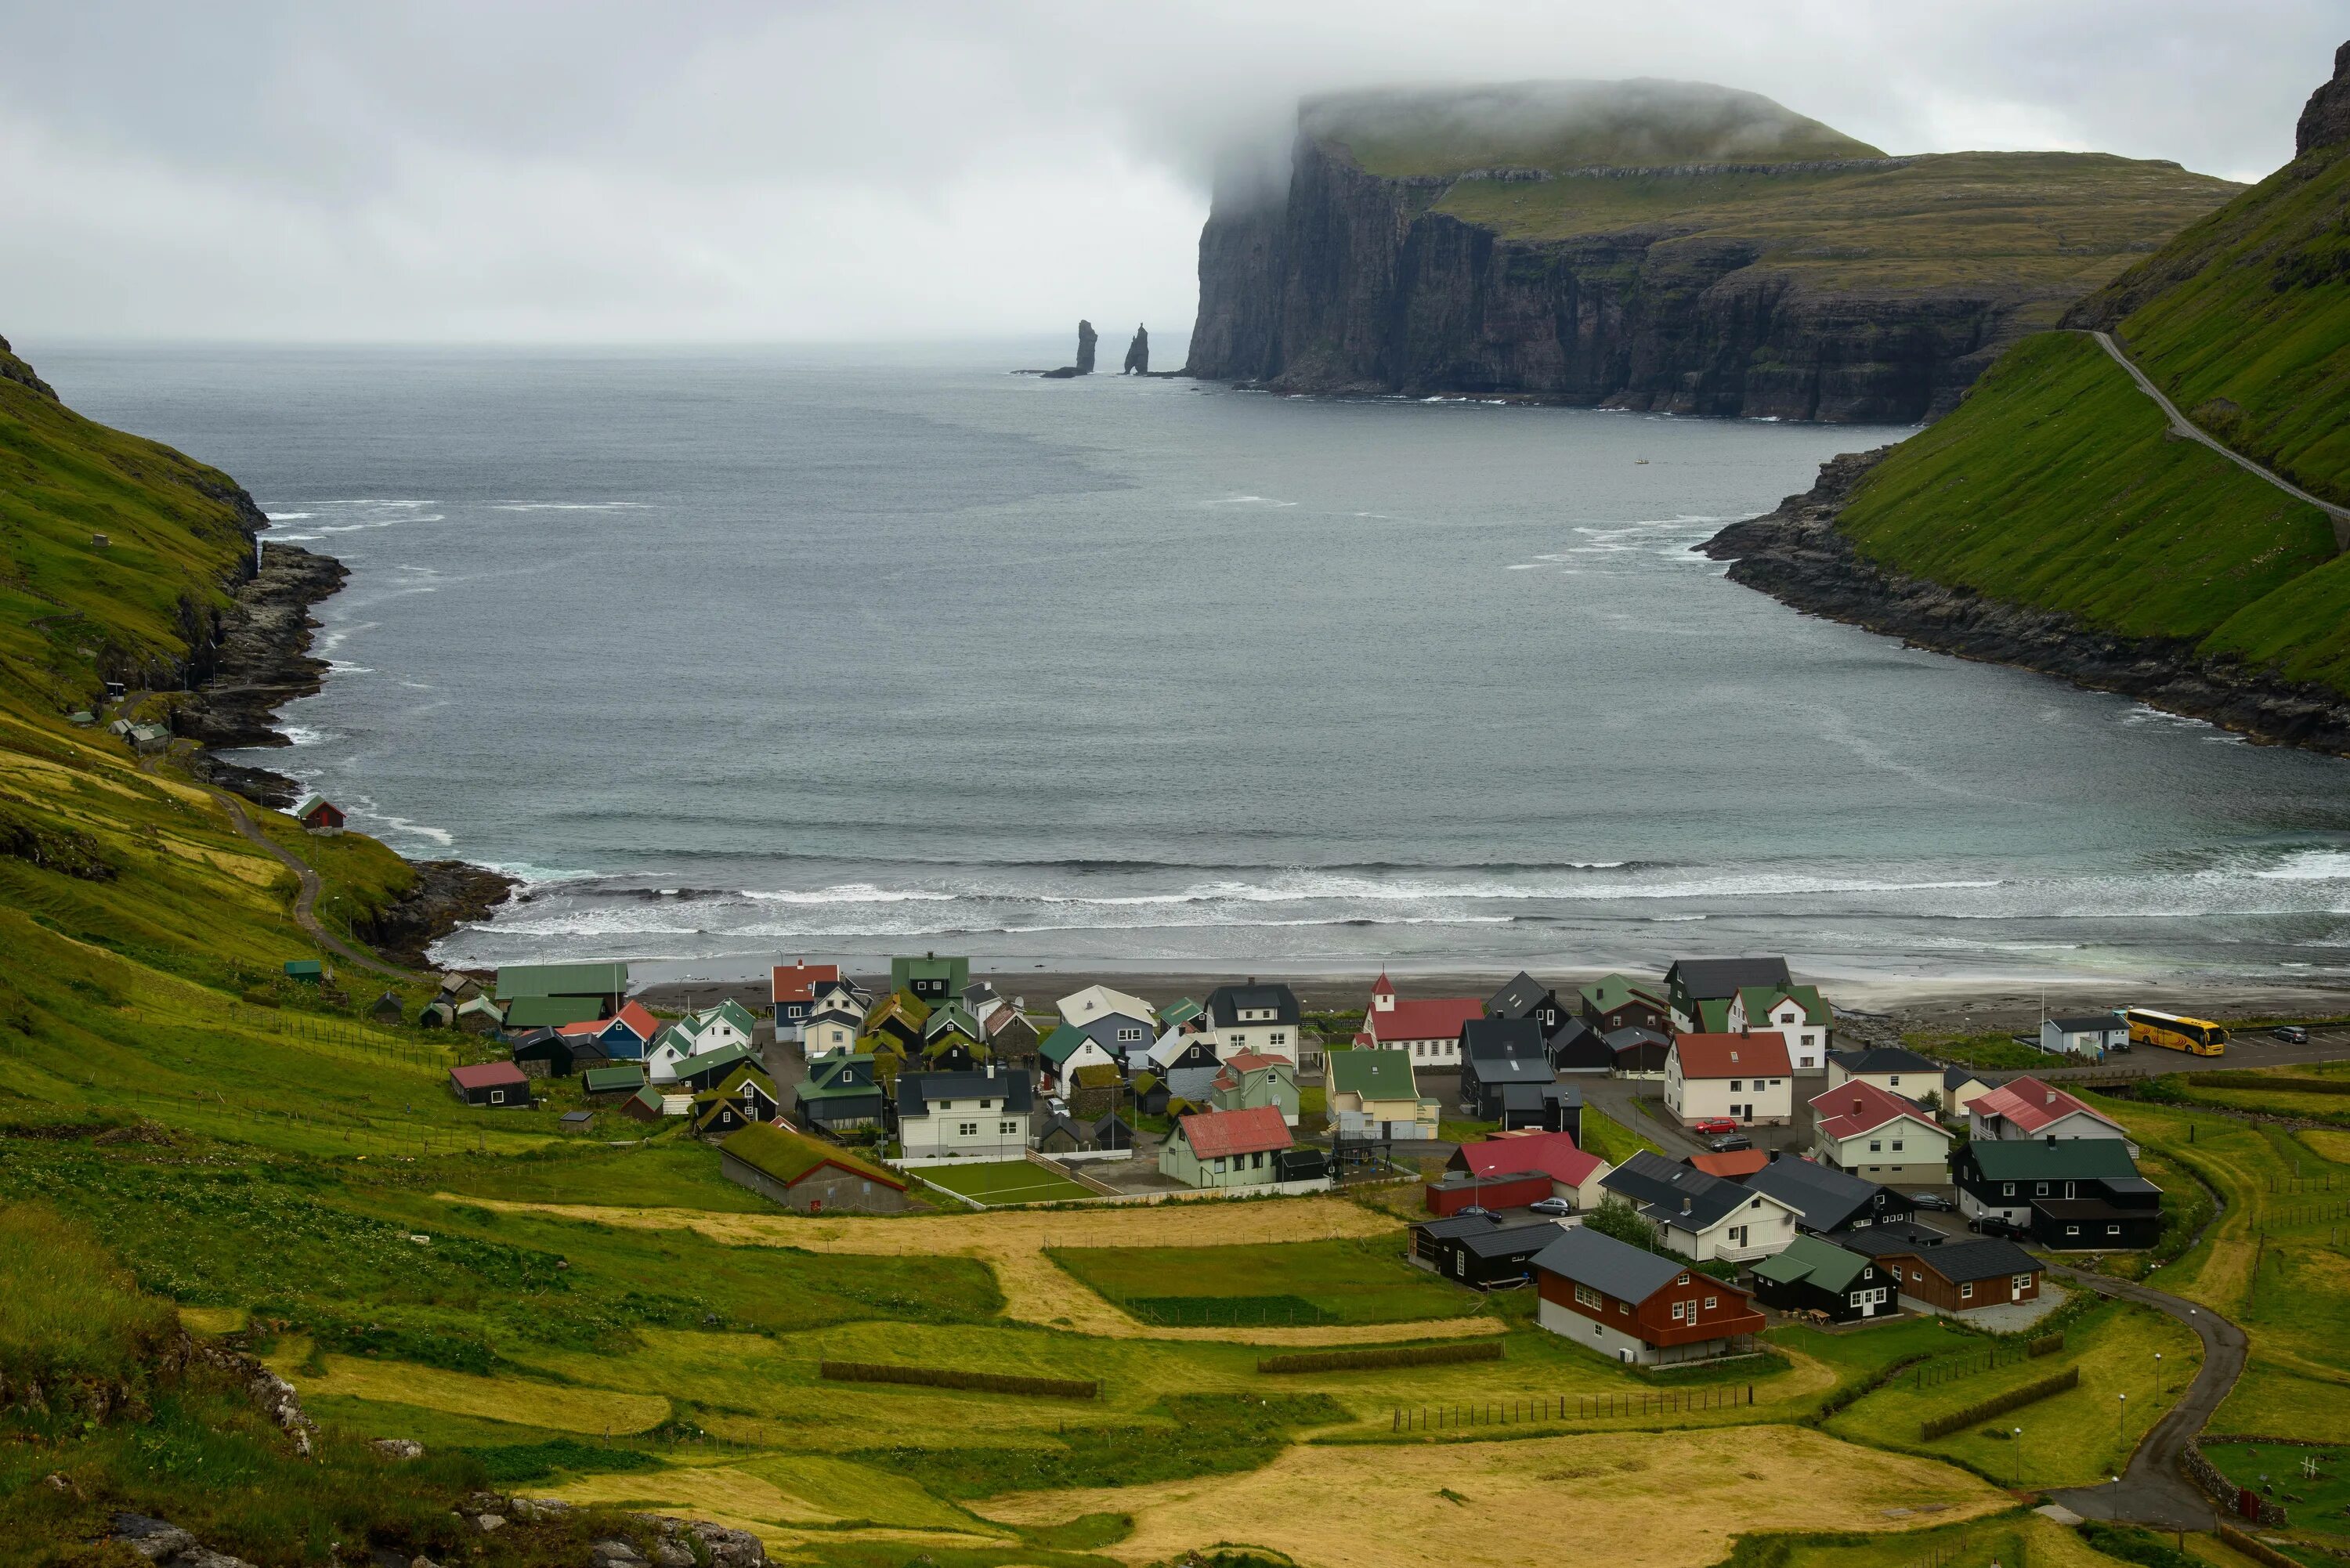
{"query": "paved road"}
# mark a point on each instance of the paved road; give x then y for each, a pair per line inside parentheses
(2181, 425)
(305, 901)
(2154, 1490)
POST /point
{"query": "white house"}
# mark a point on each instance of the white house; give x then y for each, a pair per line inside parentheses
(1702, 1216)
(1069, 1048)
(1860, 1128)
(1743, 1077)
(2091, 1034)
(979, 1115)
(697, 1034)
(1889, 1068)
(2026, 1108)
(1427, 1029)
(1798, 1013)
(1260, 1018)
(829, 1032)
(1081, 1008)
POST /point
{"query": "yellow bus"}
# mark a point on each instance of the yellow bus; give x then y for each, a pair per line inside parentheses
(2197, 1036)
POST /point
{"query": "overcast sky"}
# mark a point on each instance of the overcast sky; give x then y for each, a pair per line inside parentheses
(603, 172)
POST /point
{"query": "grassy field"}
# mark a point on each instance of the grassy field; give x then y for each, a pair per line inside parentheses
(1008, 1181)
(1307, 1282)
(2319, 1502)
(1993, 1051)
(1611, 1139)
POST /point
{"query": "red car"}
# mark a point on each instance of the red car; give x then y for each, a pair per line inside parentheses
(1712, 1125)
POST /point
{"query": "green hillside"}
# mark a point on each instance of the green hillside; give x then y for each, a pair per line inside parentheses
(2055, 484)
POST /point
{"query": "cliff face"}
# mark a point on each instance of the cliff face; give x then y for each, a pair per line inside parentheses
(1359, 282)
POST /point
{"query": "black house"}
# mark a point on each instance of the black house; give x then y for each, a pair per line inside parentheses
(1429, 1236)
(2072, 1194)
(1818, 1276)
(542, 1053)
(1636, 1050)
(1496, 1053)
(1826, 1199)
(1490, 1258)
(1543, 1107)
(1526, 997)
(1576, 1047)
(1692, 980)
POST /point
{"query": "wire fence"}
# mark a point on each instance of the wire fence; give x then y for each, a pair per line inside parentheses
(1950, 1368)
(1519, 1411)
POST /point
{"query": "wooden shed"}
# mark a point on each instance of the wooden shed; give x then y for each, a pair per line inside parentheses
(499, 1084)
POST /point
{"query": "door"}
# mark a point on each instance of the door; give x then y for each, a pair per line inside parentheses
(1746, 1112)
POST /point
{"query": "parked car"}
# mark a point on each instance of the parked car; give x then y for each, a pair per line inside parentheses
(1715, 1125)
(2290, 1034)
(1990, 1225)
(1729, 1143)
(1474, 1212)
(1933, 1201)
(1550, 1206)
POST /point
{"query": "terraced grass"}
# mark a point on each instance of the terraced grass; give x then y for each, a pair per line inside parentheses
(1339, 1281)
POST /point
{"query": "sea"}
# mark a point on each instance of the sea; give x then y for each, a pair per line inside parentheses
(767, 653)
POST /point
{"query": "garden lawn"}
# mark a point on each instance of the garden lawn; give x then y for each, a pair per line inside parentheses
(1007, 1182)
(1358, 1282)
(1611, 1139)
(2319, 1502)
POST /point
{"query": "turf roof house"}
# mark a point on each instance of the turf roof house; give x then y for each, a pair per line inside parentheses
(1373, 1094)
(1235, 1148)
(2072, 1194)
(1699, 1216)
(1819, 1277)
(1426, 1029)
(983, 1114)
(813, 1177)
(1743, 1077)
(1615, 1001)
(1634, 1305)
(1496, 1053)
(1260, 1018)
(1888, 1067)
(1249, 1081)
(952, 1041)
(1827, 1200)
(930, 979)
(1690, 982)
(2028, 1110)
(1859, 1127)
(1960, 1277)
(744, 1097)
(840, 1096)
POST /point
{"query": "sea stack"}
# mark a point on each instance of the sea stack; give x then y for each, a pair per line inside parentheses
(1086, 338)
(1137, 353)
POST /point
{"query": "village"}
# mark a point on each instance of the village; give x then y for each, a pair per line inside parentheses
(1668, 1163)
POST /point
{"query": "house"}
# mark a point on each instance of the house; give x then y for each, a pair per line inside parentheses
(1871, 1132)
(606, 982)
(1011, 1035)
(1615, 1001)
(1826, 1199)
(706, 1070)
(1428, 1236)
(1111, 1133)
(1576, 1047)
(1485, 1257)
(1091, 1091)
(1736, 1166)
(148, 740)
(1637, 1306)
(799, 1172)
(2027, 1108)
(1960, 1277)
(480, 1015)
(726, 1027)
(840, 1095)
(623, 1037)
(1226, 1149)
(1080, 1007)
(387, 1008)
(1496, 1053)
(1528, 998)
(791, 990)
(1575, 1174)
(526, 1012)
(1639, 1050)
(1252, 1017)
(1744, 1077)
(1692, 982)
(1816, 1277)
(2073, 1193)
(647, 1104)
(1068, 1051)
(930, 979)
(491, 1083)
(1796, 1012)
(1543, 1107)
(1961, 1087)
(1186, 1063)
(2089, 1034)
(1372, 1094)
(1700, 1215)
(1250, 1080)
(1426, 1029)
(319, 816)
(1060, 1133)
(1888, 1067)
(832, 1030)
(437, 1015)
(1888, 1237)
(610, 1085)
(897, 1017)
(542, 1054)
(981, 1115)
(951, 1040)
(745, 1097)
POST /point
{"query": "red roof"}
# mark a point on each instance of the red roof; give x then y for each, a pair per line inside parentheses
(1857, 1106)
(798, 981)
(2030, 1105)
(586, 1027)
(1552, 1154)
(1259, 1130)
(1732, 1055)
(640, 1019)
(1383, 986)
(1250, 1061)
(1431, 1018)
(488, 1075)
(1735, 1166)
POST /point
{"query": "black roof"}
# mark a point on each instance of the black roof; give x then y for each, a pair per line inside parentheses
(1707, 977)
(1510, 1241)
(1882, 1059)
(1523, 1094)
(1453, 1225)
(916, 1090)
(2084, 1022)
(1632, 1036)
(1520, 997)
(1568, 1031)
(1983, 1257)
(2088, 1208)
(1953, 1077)
(1492, 1038)
(1825, 1198)
(1226, 1003)
(1616, 1268)
(1888, 1236)
(1665, 1190)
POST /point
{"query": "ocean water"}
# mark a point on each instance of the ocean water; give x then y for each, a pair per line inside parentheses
(801, 653)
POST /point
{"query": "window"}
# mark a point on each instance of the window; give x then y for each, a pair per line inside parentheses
(986, 1105)
(2022, 1283)
(2007, 1189)
(1897, 1080)
(967, 1129)
(1967, 1291)
(1915, 1276)
(1624, 1308)
(2039, 1190)
(1278, 1037)
(1010, 1128)
(1585, 1297)
(498, 1096)
(1682, 1280)
(1708, 1303)
(2072, 1229)
(1876, 1146)
(1735, 1086)
(1897, 1146)
(1256, 1160)
(1681, 1311)
(2113, 1230)
(1129, 1032)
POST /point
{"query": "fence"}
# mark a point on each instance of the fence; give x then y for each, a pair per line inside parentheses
(2293, 1186)
(2285, 1217)
(1553, 1407)
(1950, 1368)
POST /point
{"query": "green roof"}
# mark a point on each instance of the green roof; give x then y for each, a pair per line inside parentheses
(1713, 1015)
(832, 1088)
(1063, 1042)
(2075, 1158)
(724, 1056)
(950, 1015)
(732, 1011)
(787, 1157)
(1823, 1263)
(552, 1012)
(1374, 1075)
(1758, 998)
(561, 980)
(1610, 992)
(649, 1098)
(304, 968)
(611, 1080)
(1178, 1012)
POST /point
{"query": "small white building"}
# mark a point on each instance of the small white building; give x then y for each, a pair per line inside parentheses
(1260, 1018)
(1742, 1078)
(2090, 1035)
(979, 1115)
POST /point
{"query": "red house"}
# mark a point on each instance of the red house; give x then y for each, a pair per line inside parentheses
(319, 814)
(1631, 1304)
(491, 1084)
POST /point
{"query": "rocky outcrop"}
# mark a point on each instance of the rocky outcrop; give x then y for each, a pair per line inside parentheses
(1797, 555)
(259, 659)
(2325, 119)
(1354, 282)
(1137, 353)
(14, 369)
(1086, 338)
(447, 894)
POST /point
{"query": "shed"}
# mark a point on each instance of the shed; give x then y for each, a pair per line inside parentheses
(1110, 1132)
(551, 1012)
(387, 1008)
(802, 1173)
(608, 983)
(1428, 1236)
(500, 1084)
(1485, 1259)
(578, 1121)
(437, 1016)
(1816, 1275)
(1457, 1190)
(613, 1082)
(644, 1106)
(309, 971)
(542, 1053)
(319, 814)
(1639, 1050)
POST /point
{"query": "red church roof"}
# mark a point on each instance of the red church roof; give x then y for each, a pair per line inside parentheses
(1431, 1018)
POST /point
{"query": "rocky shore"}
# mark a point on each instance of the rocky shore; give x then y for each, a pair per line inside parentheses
(1798, 555)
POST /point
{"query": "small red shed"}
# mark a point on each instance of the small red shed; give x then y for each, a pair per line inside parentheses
(319, 814)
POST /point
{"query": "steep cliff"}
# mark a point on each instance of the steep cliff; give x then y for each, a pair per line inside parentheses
(1769, 267)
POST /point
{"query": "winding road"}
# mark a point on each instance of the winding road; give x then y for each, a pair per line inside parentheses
(2182, 426)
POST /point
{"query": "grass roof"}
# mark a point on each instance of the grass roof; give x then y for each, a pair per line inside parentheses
(787, 1157)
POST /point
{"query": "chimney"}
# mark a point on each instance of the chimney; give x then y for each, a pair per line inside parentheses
(1685, 1203)
(1855, 1105)
(2052, 1096)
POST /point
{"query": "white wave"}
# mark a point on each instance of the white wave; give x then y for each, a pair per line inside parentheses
(400, 824)
(1528, 567)
(850, 893)
(1249, 500)
(301, 735)
(277, 538)
(380, 522)
(339, 667)
(287, 516)
(2310, 866)
(375, 500)
(572, 506)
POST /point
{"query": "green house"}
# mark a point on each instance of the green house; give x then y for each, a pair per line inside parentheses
(930, 979)
(626, 1079)
(309, 971)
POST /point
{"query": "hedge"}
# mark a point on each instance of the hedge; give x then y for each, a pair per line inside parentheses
(2046, 1345)
(2240, 1079)
(2014, 1399)
(946, 1378)
(1382, 1355)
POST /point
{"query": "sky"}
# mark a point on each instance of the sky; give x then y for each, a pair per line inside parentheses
(597, 172)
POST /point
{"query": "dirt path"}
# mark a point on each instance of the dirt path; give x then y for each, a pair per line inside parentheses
(2181, 425)
(1036, 1290)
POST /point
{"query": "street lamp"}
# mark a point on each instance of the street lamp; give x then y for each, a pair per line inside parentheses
(2018, 1456)
(2114, 1504)
(2121, 1427)
(2158, 1376)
